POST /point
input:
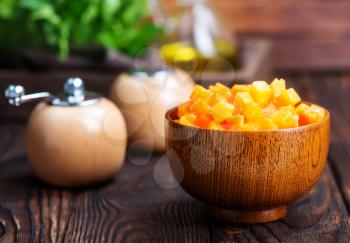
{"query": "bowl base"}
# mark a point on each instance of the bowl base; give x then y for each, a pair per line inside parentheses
(248, 217)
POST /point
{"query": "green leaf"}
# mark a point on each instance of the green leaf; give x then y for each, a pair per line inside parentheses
(134, 12)
(47, 13)
(109, 8)
(7, 8)
(62, 24)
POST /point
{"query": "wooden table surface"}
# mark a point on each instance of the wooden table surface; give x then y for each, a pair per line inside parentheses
(143, 204)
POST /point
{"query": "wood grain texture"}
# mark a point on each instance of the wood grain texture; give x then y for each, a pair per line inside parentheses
(247, 176)
(133, 207)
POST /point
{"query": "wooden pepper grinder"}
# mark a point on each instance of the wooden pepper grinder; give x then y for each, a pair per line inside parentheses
(74, 138)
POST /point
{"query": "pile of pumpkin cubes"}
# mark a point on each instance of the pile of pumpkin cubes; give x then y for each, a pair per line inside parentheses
(251, 107)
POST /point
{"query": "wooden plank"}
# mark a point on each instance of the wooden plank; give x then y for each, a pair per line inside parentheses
(319, 217)
(135, 207)
(332, 91)
(311, 55)
(131, 208)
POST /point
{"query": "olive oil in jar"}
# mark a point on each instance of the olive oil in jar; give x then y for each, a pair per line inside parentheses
(198, 42)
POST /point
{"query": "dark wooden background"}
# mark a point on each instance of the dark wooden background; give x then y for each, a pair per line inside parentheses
(311, 34)
(311, 38)
(135, 208)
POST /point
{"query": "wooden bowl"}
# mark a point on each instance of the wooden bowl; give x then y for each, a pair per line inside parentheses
(247, 176)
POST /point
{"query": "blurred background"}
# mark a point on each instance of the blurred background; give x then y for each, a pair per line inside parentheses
(43, 42)
(307, 35)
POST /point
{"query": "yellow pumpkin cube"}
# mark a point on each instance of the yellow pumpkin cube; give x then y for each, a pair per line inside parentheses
(285, 118)
(269, 109)
(220, 88)
(261, 92)
(222, 111)
(266, 123)
(252, 111)
(301, 108)
(201, 92)
(241, 99)
(188, 119)
(278, 86)
(237, 122)
(288, 108)
(288, 97)
(214, 126)
(240, 88)
(249, 126)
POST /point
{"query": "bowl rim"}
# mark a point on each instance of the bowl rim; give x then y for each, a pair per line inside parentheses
(315, 124)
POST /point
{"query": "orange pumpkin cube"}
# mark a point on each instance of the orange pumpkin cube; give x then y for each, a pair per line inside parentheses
(314, 113)
(288, 97)
(202, 121)
(183, 109)
(199, 106)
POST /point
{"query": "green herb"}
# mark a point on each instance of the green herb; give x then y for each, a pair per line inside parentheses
(62, 24)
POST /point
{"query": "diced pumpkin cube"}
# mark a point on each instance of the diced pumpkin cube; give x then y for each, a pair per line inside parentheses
(200, 107)
(240, 88)
(241, 99)
(227, 125)
(285, 118)
(216, 98)
(213, 100)
(188, 119)
(288, 108)
(266, 123)
(220, 88)
(301, 108)
(252, 111)
(202, 121)
(269, 109)
(293, 121)
(250, 126)
(315, 113)
(261, 92)
(222, 111)
(278, 86)
(237, 121)
(201, 92)
(288, 97)
(214, 126)
(183, 109)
